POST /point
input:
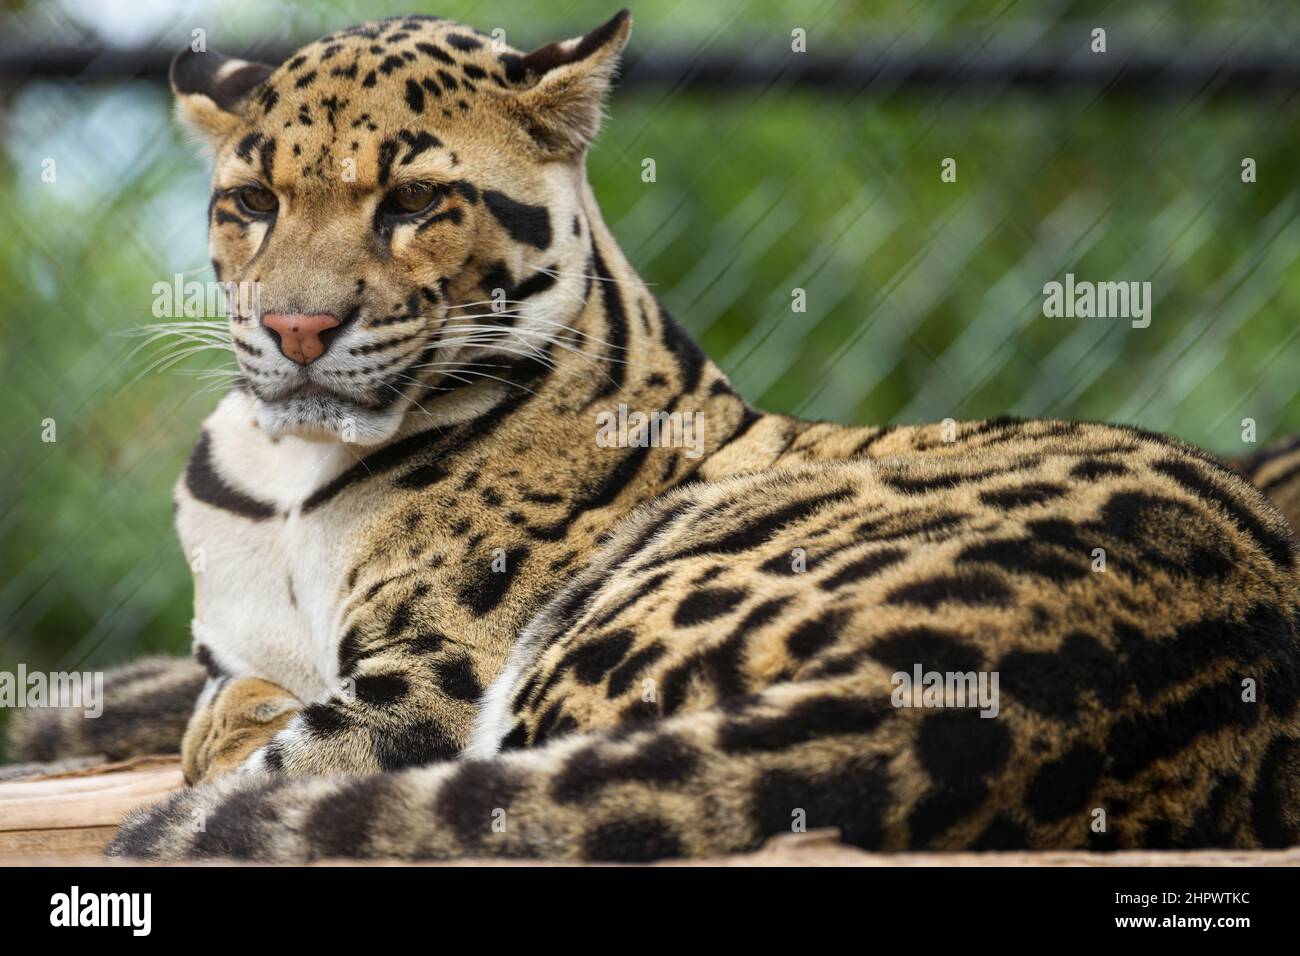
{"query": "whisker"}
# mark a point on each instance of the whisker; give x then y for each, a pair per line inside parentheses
(556, 273)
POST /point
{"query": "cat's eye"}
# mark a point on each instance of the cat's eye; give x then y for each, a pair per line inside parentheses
(257, 201)
(411, 199)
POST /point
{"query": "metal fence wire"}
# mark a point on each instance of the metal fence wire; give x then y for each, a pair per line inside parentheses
(798, 221)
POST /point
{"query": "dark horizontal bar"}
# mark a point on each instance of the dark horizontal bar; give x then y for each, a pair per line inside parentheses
(1174, 73)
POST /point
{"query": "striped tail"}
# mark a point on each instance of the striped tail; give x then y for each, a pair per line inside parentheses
(146, 705)
(710, 782)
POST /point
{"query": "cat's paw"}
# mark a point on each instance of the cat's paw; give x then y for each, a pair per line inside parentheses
(242, 717)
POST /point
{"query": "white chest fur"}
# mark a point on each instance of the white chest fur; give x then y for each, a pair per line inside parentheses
(267, 590)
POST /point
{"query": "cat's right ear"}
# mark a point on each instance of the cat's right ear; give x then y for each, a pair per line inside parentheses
(210, 90)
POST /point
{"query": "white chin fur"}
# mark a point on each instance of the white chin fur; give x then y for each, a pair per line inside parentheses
(325, 418)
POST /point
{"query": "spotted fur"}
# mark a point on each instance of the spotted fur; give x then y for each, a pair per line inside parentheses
(509, 640)
(1275, 470)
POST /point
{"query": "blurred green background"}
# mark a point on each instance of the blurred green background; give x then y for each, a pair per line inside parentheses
(924, 299)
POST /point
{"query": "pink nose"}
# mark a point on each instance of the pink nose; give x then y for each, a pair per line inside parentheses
(300, 335)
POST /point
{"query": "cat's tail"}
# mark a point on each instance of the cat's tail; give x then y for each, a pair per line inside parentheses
(1275, 470)
(795, 756)
(141, 708)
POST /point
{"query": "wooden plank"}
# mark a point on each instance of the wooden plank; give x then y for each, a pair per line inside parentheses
(73, 812)
(62, 847)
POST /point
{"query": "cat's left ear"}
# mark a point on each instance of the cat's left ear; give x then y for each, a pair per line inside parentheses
(211, 88)
(568, 81)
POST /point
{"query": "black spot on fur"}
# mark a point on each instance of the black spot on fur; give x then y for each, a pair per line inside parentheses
(414, 96)
(616, 319)
(720, 665)
(1216, 822)
(661, 762)
(524, 223)
(707, 604)
(482, 594)
(429, 50)
(208, 486)
(853, 798)
(1090, 469)
(862, 568)
(634, 840)
(244, 150)
(338, 826)
(513, 64)
(938, 482)
(689, 357)
(414, 745)
(760, 529)
(203, 654)
(470, 799)
(236, 827)
(554, 723)
(516, 739)
(381, 690)
(268, 160)
(1022, 495)
(816, 635)
(934, 648)
(324, 720)
(387, 153)
(462, 42)
(350, 651)
(1064, 786)
(594, 658)
(455, 676)
(974, 588)
(959, 750)
(959, 744)
(630, 669)
(1052, 682)
(808, 720)
(417, 143)
(422, 475)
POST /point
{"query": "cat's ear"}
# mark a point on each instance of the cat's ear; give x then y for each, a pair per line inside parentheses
(210, 88)
(567, 82)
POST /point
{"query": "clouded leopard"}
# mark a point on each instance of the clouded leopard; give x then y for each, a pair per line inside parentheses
(437, 618)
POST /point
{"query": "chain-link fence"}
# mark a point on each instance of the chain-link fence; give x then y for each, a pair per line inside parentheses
(860, 230)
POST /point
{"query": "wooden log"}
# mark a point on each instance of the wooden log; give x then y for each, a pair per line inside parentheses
(74, 812)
